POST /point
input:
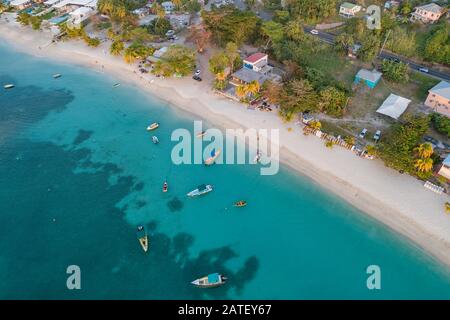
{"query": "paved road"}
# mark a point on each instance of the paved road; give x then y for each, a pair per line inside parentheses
(329, 38)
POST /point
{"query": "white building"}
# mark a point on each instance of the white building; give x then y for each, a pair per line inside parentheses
(21, 4)
(394, 106)
(168, 6)
(70, 5)
(348, 9)
(256, 61)
(80, 16)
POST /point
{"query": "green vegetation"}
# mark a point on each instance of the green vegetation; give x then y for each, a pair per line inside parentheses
(395, 71)
(312, 11)
(178, 61)
(437, 45)
(137, 51)
(229, 24)
(26, 19)
(441, 124)
(117, 48)
(399, 150)
(159, 27)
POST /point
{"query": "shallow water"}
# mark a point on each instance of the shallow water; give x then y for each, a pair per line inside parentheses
(78, 172)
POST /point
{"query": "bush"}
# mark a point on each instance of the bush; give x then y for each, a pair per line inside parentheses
(441, 124)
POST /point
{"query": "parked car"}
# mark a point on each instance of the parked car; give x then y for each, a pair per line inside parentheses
(197, 78)
(424, 70)
(197, 73)
(377, 136)
(314, 31)
(170, 33)
(307, 118)
(363, 133)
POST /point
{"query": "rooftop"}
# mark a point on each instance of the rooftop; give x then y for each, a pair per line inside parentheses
(19, 2)
(432, 7)
(394, 106)
(248, 76)
(372, 76)
(348, 5)
(442, 89)
(255, 57)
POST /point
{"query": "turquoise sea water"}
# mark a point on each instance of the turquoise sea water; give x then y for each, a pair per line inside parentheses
(78, 172)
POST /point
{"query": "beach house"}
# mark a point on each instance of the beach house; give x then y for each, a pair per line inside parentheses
(66, 6)
(439, 98)
(370, 78)
(21, 4)
(429, 13)
(256, 62)
(444, 170)
(394, 106)
(80, 16)
(349, 10)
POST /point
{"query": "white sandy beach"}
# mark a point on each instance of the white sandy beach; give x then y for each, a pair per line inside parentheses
(399, 201)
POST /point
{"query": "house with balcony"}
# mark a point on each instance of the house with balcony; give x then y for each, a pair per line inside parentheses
(439, 98)
(429, 13)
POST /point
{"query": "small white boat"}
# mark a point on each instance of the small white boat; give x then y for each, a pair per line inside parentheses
(8, 86)
(116, 85)
(155, 139)
(153, 126)
(210, 281)
(142, 237)
(201, 190)
(165, 187)
(214, 155)
(57, 75)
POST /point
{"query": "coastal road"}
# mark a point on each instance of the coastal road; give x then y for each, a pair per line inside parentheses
(330, 39)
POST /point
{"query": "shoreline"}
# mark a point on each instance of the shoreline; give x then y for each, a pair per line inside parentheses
(398, 201)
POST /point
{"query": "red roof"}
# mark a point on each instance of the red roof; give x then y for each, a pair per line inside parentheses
(255, 57)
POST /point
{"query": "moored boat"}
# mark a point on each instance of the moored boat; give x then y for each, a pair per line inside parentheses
(201, 190)
(116, 85)
(57, 75)
(214, 155)
(240, 203)
(155, 139)
(8, 86)
(142, 237)
(165, 187)
(210, 281)
(153, 126)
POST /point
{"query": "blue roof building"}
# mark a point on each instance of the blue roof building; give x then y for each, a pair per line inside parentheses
(370, 78)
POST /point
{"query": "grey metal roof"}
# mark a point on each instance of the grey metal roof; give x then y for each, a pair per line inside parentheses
(248, 75)
(442, 89)
(372, 76)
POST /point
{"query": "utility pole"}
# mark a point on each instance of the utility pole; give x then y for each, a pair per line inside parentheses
(385, 40)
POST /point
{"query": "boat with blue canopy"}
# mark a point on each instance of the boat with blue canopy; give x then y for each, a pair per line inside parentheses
(212, 280)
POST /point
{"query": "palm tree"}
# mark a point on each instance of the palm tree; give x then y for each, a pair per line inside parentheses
(116, 48)
(424, 150)
(241, 91)
(424, 165)
(252, 88)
